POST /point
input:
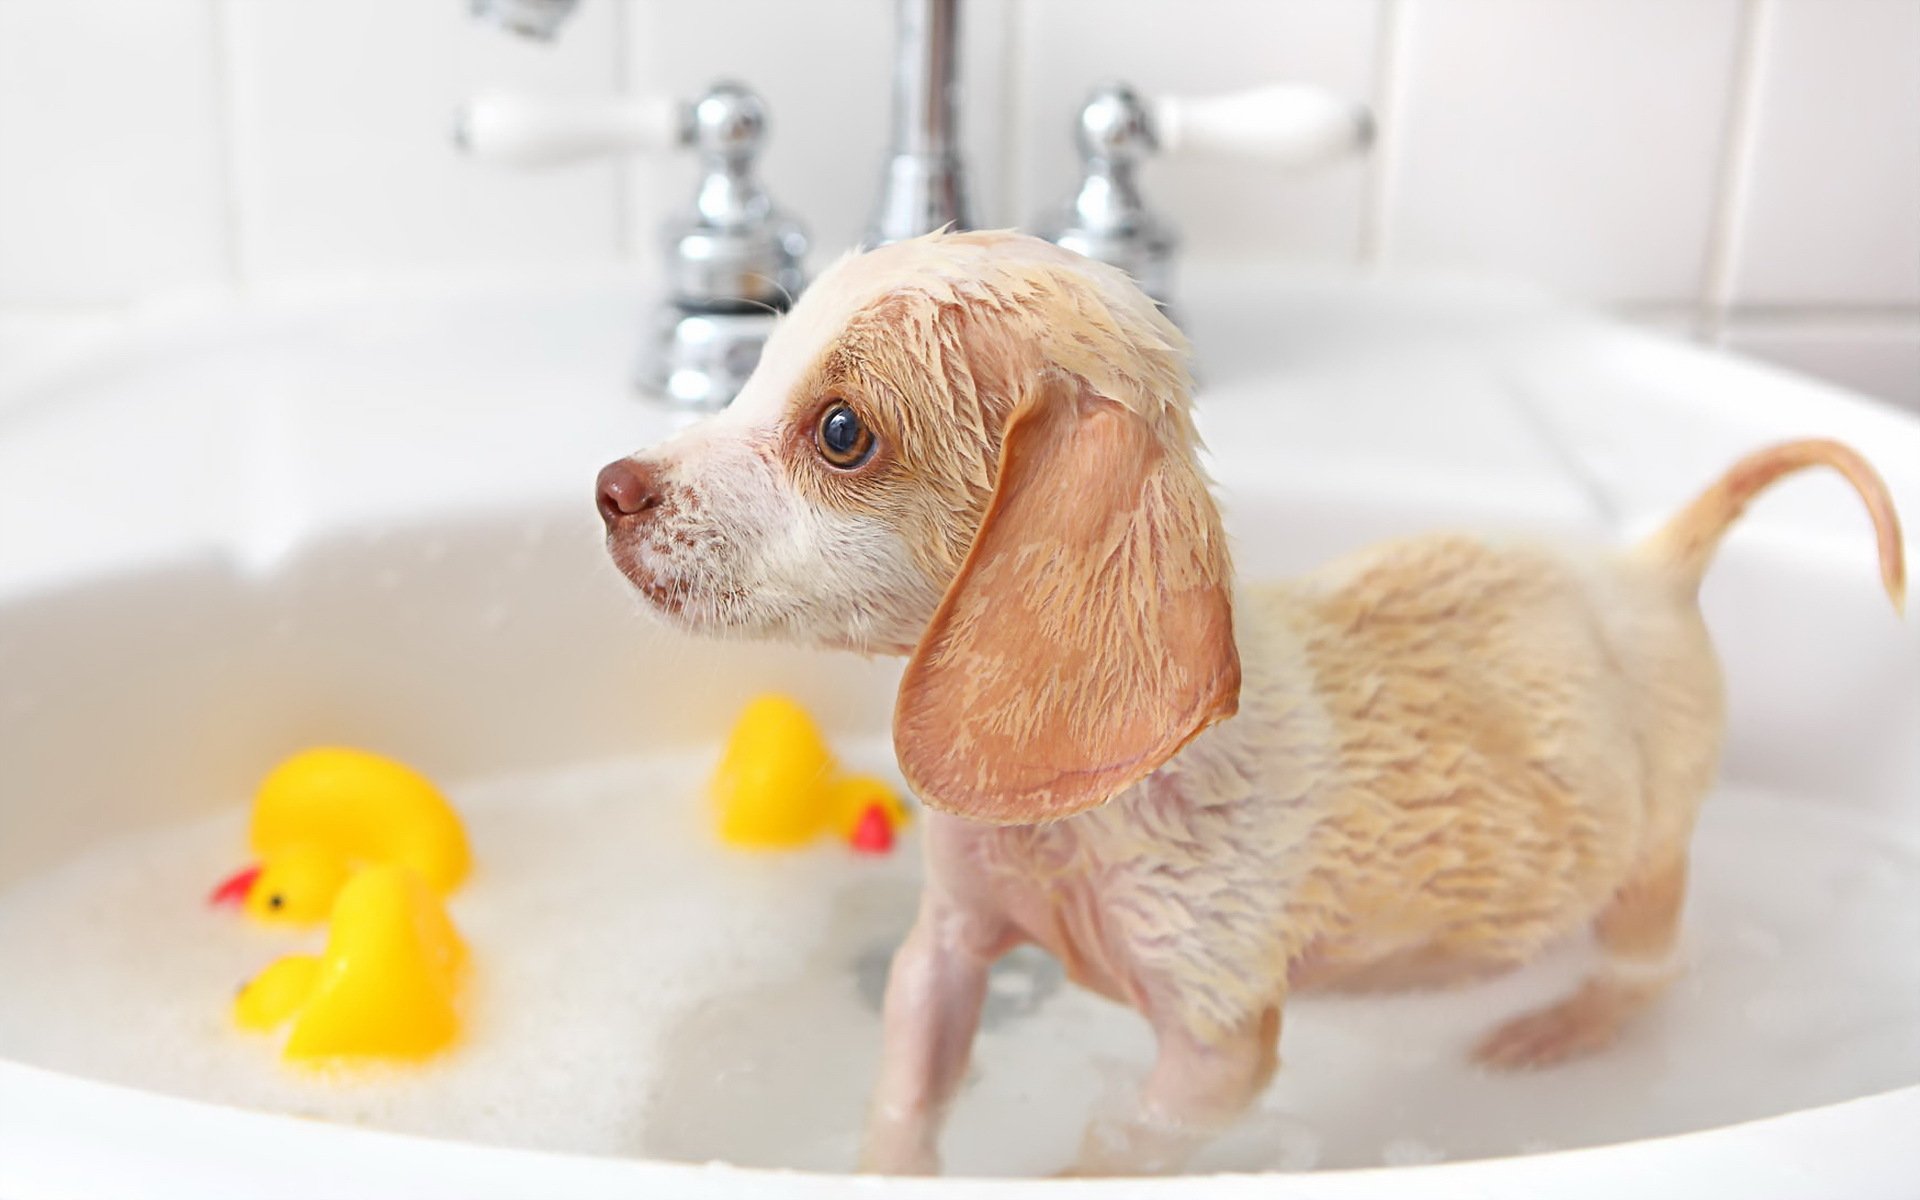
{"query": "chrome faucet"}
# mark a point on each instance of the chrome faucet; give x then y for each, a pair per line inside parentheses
(925, 184)
(734, 263)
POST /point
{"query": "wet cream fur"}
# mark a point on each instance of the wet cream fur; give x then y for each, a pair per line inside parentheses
(1421, 763)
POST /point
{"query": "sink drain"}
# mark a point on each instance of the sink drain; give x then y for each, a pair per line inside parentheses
(1017, 985)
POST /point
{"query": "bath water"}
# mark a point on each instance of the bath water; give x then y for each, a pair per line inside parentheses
(640, 990)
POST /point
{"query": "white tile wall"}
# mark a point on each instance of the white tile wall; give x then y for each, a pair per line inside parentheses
(1742, 170)
(1832, 193)
(342, 113)
(1575, 141)
(110, 153)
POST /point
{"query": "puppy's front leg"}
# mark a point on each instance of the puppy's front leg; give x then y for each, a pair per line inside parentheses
(1196, 1089)
(934, 992)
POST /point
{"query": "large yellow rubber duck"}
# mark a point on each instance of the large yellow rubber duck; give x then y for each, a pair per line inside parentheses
(327, 812)
(778, 787)
(387, 986)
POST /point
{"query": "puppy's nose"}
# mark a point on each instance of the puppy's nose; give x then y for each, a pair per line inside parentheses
(627, 489)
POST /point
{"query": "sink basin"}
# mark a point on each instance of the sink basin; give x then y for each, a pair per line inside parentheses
(366, 518)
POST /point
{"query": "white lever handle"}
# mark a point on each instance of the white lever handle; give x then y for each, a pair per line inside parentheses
(522, 131)
(1288, 124)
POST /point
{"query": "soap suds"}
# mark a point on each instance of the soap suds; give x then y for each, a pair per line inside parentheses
(641, 991)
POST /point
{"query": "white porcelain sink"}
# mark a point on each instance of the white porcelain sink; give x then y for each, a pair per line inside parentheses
(367, 518)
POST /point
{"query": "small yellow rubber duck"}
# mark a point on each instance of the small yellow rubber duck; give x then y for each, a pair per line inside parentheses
(387, 986)
(777, 786)
(327, 812)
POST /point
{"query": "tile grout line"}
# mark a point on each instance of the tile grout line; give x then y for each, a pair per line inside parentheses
(1735, 170)
(623, 165)
(69, 310)
(1012, 127)
(1830, 316)
(227, 134)
(1817, 310)
(1389, 90)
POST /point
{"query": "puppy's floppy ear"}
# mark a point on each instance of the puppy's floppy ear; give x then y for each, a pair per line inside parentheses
(1089, 634)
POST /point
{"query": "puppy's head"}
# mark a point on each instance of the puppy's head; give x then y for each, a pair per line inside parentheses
(974, 449)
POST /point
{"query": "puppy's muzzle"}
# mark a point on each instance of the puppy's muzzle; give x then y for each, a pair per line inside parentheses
(629, 491)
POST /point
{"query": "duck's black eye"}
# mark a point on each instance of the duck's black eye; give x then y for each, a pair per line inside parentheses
(276, 901)
(844, 440)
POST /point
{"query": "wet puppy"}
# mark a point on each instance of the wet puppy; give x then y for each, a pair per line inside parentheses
(1428, 760)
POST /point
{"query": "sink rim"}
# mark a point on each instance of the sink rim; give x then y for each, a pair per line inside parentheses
(1854, 1140)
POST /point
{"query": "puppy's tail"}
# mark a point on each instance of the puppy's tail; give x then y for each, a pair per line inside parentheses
(1687, 542)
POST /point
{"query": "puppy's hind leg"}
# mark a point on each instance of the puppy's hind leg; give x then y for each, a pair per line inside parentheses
(1638, 933)
(1196, 1089)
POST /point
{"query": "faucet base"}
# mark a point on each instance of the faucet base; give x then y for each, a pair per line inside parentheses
(696, 360)
(919, 195)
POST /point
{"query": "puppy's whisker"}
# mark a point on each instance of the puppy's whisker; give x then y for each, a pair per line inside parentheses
(776, 283)
(762, 304)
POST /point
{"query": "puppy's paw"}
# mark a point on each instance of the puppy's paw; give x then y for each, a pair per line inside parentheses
(1585, 1022)
(890, 1150)
(912, 1162)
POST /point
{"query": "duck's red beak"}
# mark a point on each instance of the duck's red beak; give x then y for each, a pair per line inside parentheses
(874, 833)
(234, 888)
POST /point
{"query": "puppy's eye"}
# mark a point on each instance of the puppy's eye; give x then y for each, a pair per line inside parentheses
(844, 440)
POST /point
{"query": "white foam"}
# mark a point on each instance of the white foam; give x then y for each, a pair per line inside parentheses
(1410, 1152)
(642, 991)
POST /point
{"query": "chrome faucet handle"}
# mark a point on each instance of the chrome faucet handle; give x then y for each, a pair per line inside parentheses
(733, 262)
(1106, 218)
(1286, 125)
(736, 248)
